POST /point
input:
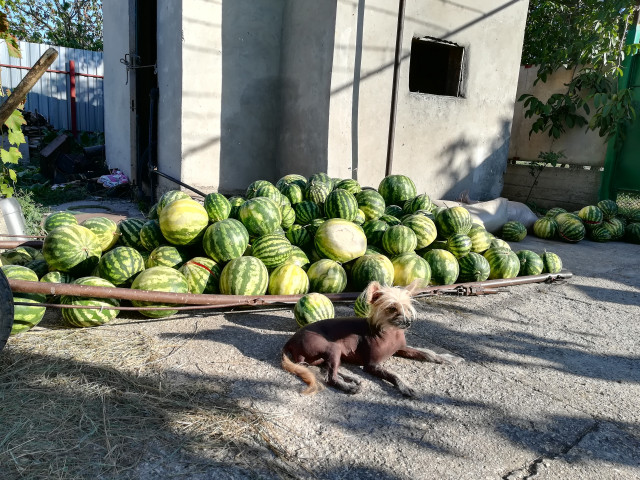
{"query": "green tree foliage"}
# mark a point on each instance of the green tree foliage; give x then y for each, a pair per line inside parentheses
(589, 38)
(74, 24)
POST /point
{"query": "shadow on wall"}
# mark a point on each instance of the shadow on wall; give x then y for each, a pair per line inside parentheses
(479, 181)
(250, 96)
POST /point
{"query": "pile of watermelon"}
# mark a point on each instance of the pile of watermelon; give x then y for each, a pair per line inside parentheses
(603, 222)
(299, 235)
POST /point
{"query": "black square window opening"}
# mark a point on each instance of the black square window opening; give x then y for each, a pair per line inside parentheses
(435, 67)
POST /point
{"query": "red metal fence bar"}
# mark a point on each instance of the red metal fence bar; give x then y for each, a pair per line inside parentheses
(66, 72)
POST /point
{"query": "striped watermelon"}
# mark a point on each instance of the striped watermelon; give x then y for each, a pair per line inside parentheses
(288, 216)
(459, 244)
(288, 279)
(105, 229)
(120, 266)
(408, 267)
(444, 266)
(609, 208)
(570, 229)
(327, 276)
(552, 262)
(183, 222)
(374, 231)
(397, 189)
(390, 220)
(554, 212)
(368, 268)
(151, 235)
(394, 211)
(16, 256)
(152, 214)
(59, 219)
(235, 203)
(350, 185)
(341, 204)
(298, 257)
(244, 276)
(306, 212)
(272, 249)
(169, 197)
(600, 233)
(419, 202)
(129, 232)
(480, 239)
(159, 279)
(545, 227)
(502, 262)
(24, 317)
(217, 206)
(453, 220)
(317, 192)
(167, 256)
(340, 240)
(89, 317)
(39, 266)
(291, 179)
(530, 263)
(253, 188)
(225, 240)
(270, 192)
(473, 268)
(360, 218)
(371, 203)
(615, 227)
(499, 243)
(632, 233)
(423, 227)
(298, 236)
(202, 275)
(260, 216)
(514, 231)
(361, 307)
(311, 308)
(72, 248)
(294, 192)
(399, 239)
(591, 216)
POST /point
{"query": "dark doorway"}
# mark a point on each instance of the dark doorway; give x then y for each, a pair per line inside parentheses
(436, 67)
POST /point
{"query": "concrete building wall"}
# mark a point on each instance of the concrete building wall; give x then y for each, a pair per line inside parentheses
(579, 147)
(305, 79)
(447, 145)
(117, 125)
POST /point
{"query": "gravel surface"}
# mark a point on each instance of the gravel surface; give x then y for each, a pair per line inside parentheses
(548, 390)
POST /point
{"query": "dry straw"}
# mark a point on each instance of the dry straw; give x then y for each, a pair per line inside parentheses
(94, 403)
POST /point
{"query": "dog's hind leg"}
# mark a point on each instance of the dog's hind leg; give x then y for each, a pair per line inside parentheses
(392, 378)
(426, 355)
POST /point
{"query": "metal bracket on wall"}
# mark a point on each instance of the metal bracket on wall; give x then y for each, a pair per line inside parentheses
(130, 62)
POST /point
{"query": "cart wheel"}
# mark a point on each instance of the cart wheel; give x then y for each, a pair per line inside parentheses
(6, 309)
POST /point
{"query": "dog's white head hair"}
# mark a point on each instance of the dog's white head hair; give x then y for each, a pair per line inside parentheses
(391, 307)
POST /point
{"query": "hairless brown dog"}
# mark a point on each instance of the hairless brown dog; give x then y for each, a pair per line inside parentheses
(360, 341)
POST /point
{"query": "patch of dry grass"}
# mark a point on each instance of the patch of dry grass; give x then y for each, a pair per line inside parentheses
(93, 403)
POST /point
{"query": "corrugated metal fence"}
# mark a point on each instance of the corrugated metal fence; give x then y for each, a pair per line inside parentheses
(51, 96)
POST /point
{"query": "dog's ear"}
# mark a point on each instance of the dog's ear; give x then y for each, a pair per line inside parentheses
(414, 286)
(373, 292)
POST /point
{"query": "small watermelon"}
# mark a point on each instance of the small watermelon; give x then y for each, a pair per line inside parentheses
(73, 248)
(397, 189)
(105, 229)
(244, 276)
(311, 308)
(327, 276)
(120, 266)
(503, 263)
(89, 317)
(371, 267)
(288, 279)
(340, 240)
(159, 279)
(530, 263)
(183, 222)
(473, 268)
(408, 267)
(444, 266)
(514, 231)
(552, 262)
(217, 206)
(399, 239)
(59, 219)
(225, 240)
(202, 274)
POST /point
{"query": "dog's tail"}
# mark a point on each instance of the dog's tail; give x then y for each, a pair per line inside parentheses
(303, 372)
